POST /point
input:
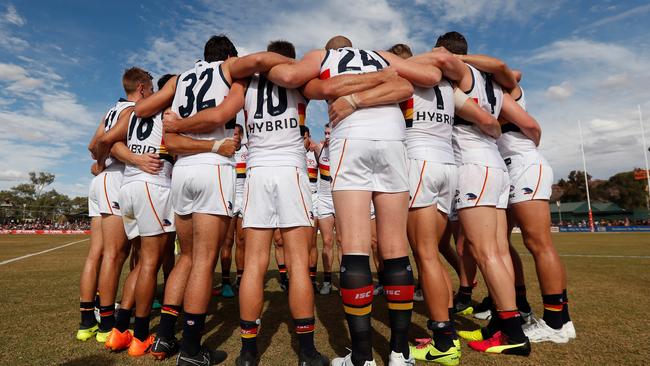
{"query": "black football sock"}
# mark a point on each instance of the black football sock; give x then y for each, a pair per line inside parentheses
(327, 277)
(398, 288)
(192, 330)
(123, 319)
(553, 309)
(305, 331)
(141, 328)
(225, 277)
(443, 334)
(565, 308)
(168, 316)
(248, 332)
(464, 294)
(380, 277)
(356, 292)
(87, 310)
(510, 321)
(493, 325)
(283, 273)
(107, 318)
(312, 274)
(240, 273)
(522, 301)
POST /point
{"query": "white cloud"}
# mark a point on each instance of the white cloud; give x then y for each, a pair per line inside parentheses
(12, 175)
(636, 11)
(12, 16)
(483, 11)
(560, 92)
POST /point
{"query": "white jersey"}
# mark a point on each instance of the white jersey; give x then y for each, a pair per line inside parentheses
(273, 118)
(429, 117)
(145, 135)
(240, 168)
(312, 171)
(513, 141)
(202, 87)
(325, 182)
(110, 120)
(372, 123)
(474, 146)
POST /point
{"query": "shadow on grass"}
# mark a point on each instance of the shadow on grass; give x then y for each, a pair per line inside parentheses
(98, 359)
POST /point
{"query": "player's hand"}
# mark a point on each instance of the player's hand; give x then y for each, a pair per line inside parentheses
(96, 168)
(149, 163)
(339, 110)
(440, 49)
(389, 73)
(312, 145)
(171, 121)
(228, 148)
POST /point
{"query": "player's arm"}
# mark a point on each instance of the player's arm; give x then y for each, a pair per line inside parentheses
(261, 62)
(294, 75)
(470, 111)
(452, 68)
(158, 101)
(93, 140)
(208, 119)
(341, 85)
(115, 134)
(512, 112)
(177, 144)
(148, 163)
(397, 89)
(499, 69)
(419, 74)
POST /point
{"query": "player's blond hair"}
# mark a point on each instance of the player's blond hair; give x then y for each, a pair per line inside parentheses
(134, 76)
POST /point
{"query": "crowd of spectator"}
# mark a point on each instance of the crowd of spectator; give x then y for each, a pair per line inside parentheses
(80, 224)
(602, 222)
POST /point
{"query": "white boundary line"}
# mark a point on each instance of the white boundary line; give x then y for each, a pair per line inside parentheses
(41, 252)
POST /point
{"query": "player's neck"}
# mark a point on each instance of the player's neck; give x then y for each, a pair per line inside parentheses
(134, 97)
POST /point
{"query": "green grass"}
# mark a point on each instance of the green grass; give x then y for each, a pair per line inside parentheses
(609, 305)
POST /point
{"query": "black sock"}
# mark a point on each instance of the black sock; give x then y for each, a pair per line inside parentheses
(87, 310)
(553, 310)
(97, 300)
(106, 318)
(399, 289)
(225, 277)
(141, 328)
(452, 314)
(283, 273)
(312, 274)
(522, 301)
(123, 319)
(305, 331)
(240, 272)
(493, 325)
(168, 316)
(510, 322)
(380, 277)
(248, 332)
(565, 308)
(464, 294)
(443, 334)
(327, 277)
(356, 292)
(192, 330)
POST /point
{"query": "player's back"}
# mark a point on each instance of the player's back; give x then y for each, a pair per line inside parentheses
(145, 136)
(476, 147)
(372, 123)
(273, 117)
(110, 120)
(201, 87)
(429, 117)
(512, 140)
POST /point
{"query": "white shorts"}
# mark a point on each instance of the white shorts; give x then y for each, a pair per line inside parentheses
(239, 204)
(146, 209)
(277, 197)
(373, 214)
(325, 206)
(204, 188)
(432, 184)
(482, 186)
(314, 203)
(369, 165)
(530, 182)
(104, 194)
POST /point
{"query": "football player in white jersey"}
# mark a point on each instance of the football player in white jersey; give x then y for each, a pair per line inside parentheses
(483, 187)
(429, 116)
(312, 174)
(105, 192)
(326, 212)
(235, 233)
(203, 208)
(531, 178)
(367, 151)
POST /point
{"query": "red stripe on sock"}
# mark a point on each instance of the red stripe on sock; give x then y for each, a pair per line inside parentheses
(508, 314)
(358, 296)
(399, 293)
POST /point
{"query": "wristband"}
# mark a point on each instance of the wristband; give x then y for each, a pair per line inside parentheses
(217, 145)
(459, 97)
(352, 100)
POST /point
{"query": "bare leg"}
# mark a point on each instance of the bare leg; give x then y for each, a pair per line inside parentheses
(90, 272)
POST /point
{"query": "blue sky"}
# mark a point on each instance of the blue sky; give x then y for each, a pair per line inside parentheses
(61, 63)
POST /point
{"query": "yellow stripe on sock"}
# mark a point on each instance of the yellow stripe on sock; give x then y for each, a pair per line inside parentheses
(400, 305)
(357, 311)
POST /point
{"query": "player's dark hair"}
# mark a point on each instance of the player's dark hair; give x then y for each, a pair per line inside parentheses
(328, 125)
(454, 42)
(304, 130)
(401, 50)
(337, 42)
(240, 128)
(164, 79)
(219, 48)
(134, 76)
(284, 48)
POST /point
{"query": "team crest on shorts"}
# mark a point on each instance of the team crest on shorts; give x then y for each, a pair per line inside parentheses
(471, 197)
(115, 205)
(527, 190)
(167, 222)
(229, 205)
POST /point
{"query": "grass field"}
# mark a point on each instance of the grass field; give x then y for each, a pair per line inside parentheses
(609, 306)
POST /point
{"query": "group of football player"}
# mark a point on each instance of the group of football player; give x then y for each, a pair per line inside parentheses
(417, 149)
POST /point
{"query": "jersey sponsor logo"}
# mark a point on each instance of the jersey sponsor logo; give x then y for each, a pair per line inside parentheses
(270, 126)
(471, 197)
(434, 117)
(363, 295)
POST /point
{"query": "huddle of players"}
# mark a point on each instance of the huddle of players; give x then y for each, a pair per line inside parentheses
(437, 156)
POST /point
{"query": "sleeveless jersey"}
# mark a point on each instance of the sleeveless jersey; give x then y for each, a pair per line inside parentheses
(240, 167)
(312, 171)
(110, 120)
(429, 117)
(474, 146)
(325, 185)
(199, 88)
(512, 140)
(145, 135)
(273, 117)
(373, 123)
